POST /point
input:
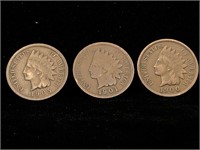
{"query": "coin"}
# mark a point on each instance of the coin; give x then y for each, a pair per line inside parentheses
(167, 67)
(103, 70)
(37, 72)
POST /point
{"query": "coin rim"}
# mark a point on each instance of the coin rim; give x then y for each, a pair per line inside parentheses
(167, 40)
(112, 45)
(38, 45)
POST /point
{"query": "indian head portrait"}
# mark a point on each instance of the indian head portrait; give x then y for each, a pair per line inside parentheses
(39, 70)
(105, 68)
(170, 66)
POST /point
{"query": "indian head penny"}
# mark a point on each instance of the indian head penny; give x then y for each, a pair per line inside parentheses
(37, 72)
(167, 67)
(103, 70)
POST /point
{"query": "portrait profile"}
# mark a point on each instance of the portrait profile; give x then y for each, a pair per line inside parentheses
(170, 66)
(39, 70)
(105, 68)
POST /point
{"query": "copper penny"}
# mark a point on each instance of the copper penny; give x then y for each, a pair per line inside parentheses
(37, 72)
(167, 67)
(103, 70)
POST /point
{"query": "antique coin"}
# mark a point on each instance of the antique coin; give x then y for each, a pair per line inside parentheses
(167, 67)
(103, 70)
(37, 72)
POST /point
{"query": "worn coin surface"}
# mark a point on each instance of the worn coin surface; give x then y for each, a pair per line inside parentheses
(103, 70)
(37, 71)
(167, 67)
